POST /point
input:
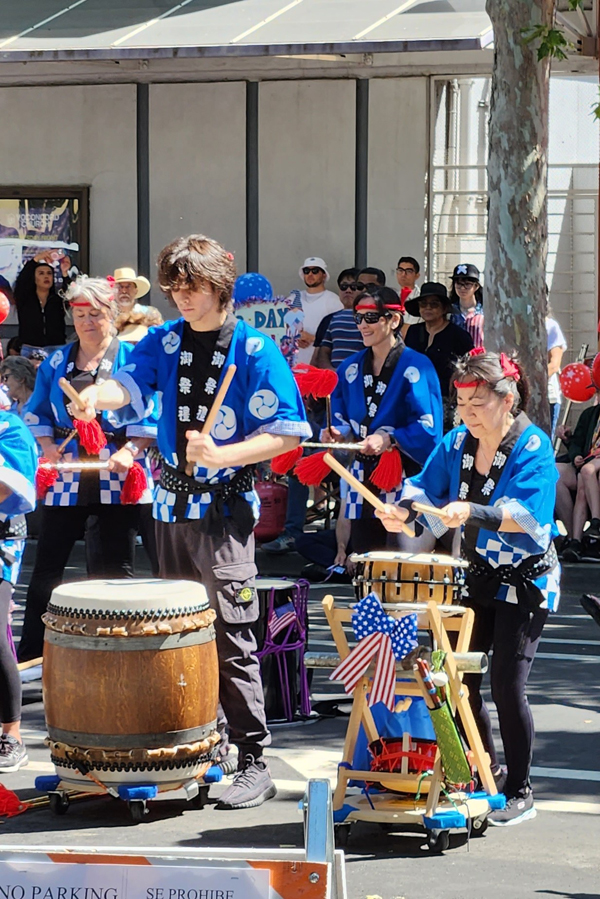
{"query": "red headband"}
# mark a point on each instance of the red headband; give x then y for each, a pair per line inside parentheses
(509, 369)
(79, 304)
(394, 306)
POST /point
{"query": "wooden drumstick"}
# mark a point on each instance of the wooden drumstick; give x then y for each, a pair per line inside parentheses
(360, 488)
(214, 409)
(427, 510)
(70, 391)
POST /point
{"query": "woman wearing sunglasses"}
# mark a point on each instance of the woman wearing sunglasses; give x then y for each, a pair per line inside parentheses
(387, 398)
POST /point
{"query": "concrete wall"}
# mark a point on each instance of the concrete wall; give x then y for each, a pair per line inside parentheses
(307, 149)
(78, 136)
(398, 163)
(198, 166)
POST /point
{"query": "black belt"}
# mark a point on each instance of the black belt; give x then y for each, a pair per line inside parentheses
(118, 439)
(484, 581)
(229, 492)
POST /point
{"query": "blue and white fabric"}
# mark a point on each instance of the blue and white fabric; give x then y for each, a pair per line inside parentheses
(18, 462)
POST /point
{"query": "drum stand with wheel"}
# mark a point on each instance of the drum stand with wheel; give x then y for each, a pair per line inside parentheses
(393, 799)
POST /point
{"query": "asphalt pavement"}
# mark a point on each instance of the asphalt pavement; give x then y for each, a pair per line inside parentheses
(555, 855)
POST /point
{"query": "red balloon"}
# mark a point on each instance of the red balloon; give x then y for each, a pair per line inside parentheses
(4, 307)
(596, 371)
(576, 382)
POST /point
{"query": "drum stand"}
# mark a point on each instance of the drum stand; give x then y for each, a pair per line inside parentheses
(459, 810)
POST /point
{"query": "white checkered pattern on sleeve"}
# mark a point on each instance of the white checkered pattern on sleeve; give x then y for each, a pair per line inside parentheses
(354, 500)
(497, 553)
(65, 489)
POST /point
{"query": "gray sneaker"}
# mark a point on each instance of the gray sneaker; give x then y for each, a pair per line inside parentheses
(282, 544)
(252, 785)
(13, 754)
(517, 810)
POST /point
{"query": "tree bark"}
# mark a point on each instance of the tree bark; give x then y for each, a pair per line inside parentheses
(517, 241)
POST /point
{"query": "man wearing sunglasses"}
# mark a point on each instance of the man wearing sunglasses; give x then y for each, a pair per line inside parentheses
(407, 275)
(337, 336)
(316, 301)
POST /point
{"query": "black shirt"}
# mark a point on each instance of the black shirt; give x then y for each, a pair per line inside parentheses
(446, 346)
(203, 345)
(38, 326)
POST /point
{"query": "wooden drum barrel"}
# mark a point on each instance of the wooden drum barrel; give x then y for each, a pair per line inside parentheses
(130, 681)
(409, 577)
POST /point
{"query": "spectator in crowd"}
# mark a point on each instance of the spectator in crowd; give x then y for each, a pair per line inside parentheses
(131, 287)
(316, 302)
(467, 299)
(388, 398)
(40, 309)
(556, 348)
(579, 478)
(13, 347)
(370, 275)
(337, 335)
(438, 338)
(18, 377)
(407, 275)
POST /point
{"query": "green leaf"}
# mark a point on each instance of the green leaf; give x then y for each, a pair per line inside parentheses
(575, 4)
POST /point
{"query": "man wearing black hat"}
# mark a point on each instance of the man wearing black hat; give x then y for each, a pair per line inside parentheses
(437, 337)
(466, 297)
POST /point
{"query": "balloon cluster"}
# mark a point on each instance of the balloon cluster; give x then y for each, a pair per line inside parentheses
(579, 382)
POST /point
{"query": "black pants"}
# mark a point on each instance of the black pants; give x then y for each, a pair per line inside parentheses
(115, 531)
(514, 635)
(10, 681)
(368, 534)
(319, 547)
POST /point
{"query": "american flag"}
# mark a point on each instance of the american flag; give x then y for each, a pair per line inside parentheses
(282, 617)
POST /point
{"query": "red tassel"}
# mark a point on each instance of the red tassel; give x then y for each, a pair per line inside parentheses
(134, 486)
(10, 804)
(312, 470)
(388, 473)
(91, 436)
(44, 478)
(313, 381)
(286, 461)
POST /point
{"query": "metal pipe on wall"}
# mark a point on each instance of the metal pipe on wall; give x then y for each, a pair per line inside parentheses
(362, 173)
(252, 206)
(143, 178)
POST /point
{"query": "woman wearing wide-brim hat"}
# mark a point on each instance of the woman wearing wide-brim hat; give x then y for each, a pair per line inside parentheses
(466, 297)
(437, 337)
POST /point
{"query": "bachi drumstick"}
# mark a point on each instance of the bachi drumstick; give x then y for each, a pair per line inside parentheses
(360, 488)
(427, 510)
(214, 410)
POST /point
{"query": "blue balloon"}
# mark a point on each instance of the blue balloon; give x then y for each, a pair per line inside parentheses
(252, 286)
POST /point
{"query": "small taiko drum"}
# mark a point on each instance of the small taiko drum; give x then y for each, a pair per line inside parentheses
(409, 577)
(131, 681)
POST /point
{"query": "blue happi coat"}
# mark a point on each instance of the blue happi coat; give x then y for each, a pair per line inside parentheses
(526, 488)
(410, 410)
(18, 462)
(262, 398)
(46, 410)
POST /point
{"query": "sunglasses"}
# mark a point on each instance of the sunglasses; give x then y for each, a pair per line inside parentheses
(465, 282)
(354, 285)
(371, 318)
(312, 271)
(429, 302)
(406, 271)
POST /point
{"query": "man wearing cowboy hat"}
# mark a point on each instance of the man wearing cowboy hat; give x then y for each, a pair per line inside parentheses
(130, 288)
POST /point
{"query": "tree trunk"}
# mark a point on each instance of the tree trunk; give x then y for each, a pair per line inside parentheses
(517, 241)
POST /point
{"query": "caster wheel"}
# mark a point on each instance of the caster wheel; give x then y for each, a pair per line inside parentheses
(342, 834)
(59, 803)
(137, 810)
(479, 826)
(201, 799)
(438, 841)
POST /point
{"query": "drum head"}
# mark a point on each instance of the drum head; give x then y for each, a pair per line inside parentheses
(412, 558)
(131, 595)
(268, 583)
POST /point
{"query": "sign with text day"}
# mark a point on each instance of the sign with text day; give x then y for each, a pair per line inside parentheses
(33, 880)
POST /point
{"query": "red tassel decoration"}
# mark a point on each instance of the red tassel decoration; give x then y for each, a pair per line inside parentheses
(134, 486)
(312, 470)
(44, 478)
(313, 381)
(388, 473)
(10, 804)
(286, 461)
(91, 436)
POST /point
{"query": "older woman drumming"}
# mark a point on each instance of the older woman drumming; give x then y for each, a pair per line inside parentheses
(388, 398)
(78, 494)
(494, 476)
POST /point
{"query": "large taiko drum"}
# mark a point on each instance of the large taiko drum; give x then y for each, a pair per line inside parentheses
(130, 681)
(409, 577)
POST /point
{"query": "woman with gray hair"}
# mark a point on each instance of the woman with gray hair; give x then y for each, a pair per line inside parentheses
(18, 374)
(77, 495)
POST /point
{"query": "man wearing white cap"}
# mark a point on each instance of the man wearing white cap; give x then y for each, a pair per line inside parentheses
(130, 288)
(317, 302)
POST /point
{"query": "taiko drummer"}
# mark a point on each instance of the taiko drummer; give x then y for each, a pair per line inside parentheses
(494, 477)
(205, 519)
